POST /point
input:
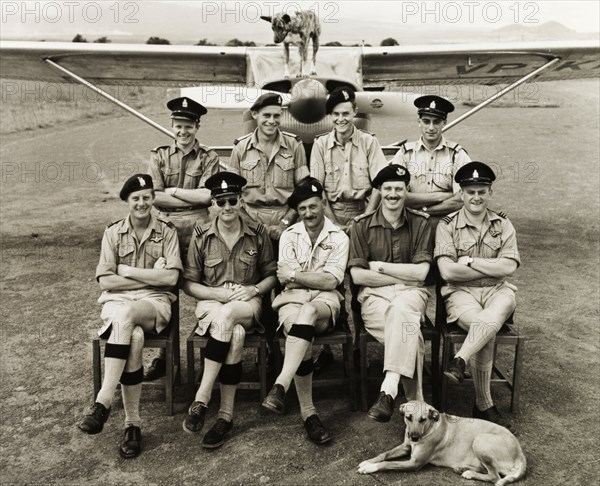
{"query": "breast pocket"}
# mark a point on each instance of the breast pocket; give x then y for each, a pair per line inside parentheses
(251, 170)
(153, 253)
(466, 247)
(332, 177)
(248, 267)
(170, 176)
(360, 176)
(283, 173)
(192, 177)
(213, 269)
(491, 247)
(126, 255)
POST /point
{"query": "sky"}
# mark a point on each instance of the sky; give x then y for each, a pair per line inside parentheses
(215, 20)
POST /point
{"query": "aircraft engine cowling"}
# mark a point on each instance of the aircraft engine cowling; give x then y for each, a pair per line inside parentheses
(308, 101)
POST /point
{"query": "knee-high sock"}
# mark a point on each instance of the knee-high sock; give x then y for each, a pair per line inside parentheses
(390, 383)
(481, 365)
(214, 355)
(297, 344)
(131, 403)
(304, 391)
(115, 357)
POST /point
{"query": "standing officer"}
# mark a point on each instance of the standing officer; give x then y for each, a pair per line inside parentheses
(432, 161)
(390, 254)
(139, 264)
(345, 161)
(312, 261)
(230, 266)
(179, 172)
(476, 249)
(272, 162)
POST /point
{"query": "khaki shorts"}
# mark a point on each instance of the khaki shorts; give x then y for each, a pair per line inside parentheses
(207, 312)
(289, 302)
(461, 298)
(114, 302)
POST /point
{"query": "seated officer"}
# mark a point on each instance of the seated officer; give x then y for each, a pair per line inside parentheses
(312, 259)
(230, 266)
(139, 263)
(476, 249)
(390, 254)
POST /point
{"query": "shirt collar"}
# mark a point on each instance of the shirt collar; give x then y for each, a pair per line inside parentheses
(328, 227)
(331, 141)
(443, 144)
(195, 148)
(280, 141)
(153, 225)
(214, 230)
(462, 221)
(378, 219)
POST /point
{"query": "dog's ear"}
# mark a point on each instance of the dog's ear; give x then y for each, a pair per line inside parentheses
(402, 409)
(434, 414)
(268, 19)
(286, 18)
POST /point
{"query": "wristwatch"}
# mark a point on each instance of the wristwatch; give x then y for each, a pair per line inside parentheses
(256, 290)
(469, 261)
(380, 269)
(293, 276)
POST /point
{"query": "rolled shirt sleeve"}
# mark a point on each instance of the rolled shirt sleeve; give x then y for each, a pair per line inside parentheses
(171, 249)
(359, 248)
(444, 243)
(509, 243)
(155, 172)
(423, 244)
(195, 262)
(267, 263)
(337, 260)
(107, 264)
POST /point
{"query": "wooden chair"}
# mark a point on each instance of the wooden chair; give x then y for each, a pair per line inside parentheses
(168, 340)
(508, 334)
(363, 338)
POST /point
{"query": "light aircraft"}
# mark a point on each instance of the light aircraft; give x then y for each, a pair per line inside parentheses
(387, 79)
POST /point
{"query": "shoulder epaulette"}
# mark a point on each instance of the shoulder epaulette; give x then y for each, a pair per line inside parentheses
(502, 214)
(418, 213)
(114, 222)
(165, 221)
(372, 134)
(239, 139)
(201, 229)
(293, 135)
(364, 215)
(448, 218)
(156, 149)
(258, 228)
(457, 148)
(322, 134)
(400, 144)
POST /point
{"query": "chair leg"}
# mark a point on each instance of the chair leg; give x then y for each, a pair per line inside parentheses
(364, 380)
(169, 379)
(517, 370)
(262, 368)
(446, 350)
(435, 370)
(191, 370)
(97, 366)
(349, 369)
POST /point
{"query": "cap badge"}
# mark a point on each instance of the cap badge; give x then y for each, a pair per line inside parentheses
(432, 105)
(224, 185)
(184, 104)
(346, 96)
(313, 188)
(400, 171)
(279, 100)
(142, 181)
(475, 174)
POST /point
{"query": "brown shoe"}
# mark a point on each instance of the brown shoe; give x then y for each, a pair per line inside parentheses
(316, 430)
(93, 422)
(131, 443)
(215, 437)
(456, 370)
(275, 400)
(383, 408)
(491, 415)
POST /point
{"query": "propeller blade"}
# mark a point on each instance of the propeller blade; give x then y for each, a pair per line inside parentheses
(390, 103)
(224, 96)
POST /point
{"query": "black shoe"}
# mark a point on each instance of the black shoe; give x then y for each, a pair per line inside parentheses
(94, 421)
(215, 437)
(456, 370)
(195, 418)
(156, 370)
(383, 408)
(275, 400)
(131, 443)
(316, 430)
(324, 361)
(491, 415)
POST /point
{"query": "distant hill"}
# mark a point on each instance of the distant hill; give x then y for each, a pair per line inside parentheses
(533, 32)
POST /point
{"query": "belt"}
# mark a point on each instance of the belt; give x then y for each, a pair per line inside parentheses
(359, 205)
(182, 209)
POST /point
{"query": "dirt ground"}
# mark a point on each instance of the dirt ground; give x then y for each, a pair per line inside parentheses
(59, 189)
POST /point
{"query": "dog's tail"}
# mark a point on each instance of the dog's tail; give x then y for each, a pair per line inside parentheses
(517, 473)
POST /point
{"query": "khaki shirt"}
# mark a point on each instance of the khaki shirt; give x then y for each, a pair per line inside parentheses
(271, 180)
(170, 168)
(372, 238)
(121, 246)
(456, 237)
(432, 170)
(211, 263)
(346, 171)
(329, 253)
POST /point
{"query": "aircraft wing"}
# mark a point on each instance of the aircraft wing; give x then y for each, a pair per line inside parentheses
(131, 64)
(400, 67)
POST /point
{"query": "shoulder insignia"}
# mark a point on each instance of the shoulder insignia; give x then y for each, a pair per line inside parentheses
(363, 216)
(457, 148)
(239, 139)
(201, 229)
(364, 131)
(165, 221)
(502, 214)
(292, 135)
(114, 222)
(258, 228)
(448, 219)
(322, 134)
(156, 149)
(418, 213)
(400, 144)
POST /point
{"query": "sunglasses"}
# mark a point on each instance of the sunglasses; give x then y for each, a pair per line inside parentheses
(231, 200)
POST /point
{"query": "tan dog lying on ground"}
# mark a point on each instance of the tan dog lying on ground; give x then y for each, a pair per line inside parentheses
(476, 448)
(298, 30)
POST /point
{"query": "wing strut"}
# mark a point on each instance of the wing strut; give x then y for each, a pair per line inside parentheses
(109, 97)
(501, 93)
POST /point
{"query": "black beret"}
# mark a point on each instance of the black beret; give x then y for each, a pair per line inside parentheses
(392, 172)
(186, 108)
(305, 189)
(337, 96)
(475, 173)
(268, 99)
(225, 183)
(137, 182)
(434, 105)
